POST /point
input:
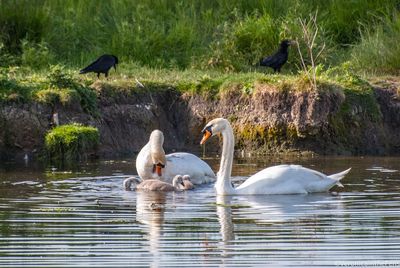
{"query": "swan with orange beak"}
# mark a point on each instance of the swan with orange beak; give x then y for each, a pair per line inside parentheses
(281, 179)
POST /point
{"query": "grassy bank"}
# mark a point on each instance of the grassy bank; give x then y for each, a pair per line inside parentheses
(64, 89)
(62, 86)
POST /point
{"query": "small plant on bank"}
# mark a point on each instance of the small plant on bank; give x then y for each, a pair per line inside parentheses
(309, 65)
(7, 59)
(12, 91)
(35, 55)
(71, 142)
(60, 78)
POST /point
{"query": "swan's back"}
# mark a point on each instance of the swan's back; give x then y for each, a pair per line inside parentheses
(188, 164)
(287, 179)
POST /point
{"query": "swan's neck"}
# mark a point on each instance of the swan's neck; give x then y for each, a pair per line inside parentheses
(223, 185)
(156, 143)
(175, 184)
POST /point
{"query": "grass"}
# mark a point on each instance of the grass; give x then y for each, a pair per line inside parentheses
(71, 142)
(224, 35)
(49, 87)
(65, 86)
(379, 52)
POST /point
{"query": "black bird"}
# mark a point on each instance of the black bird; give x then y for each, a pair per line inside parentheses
(101, 65)
(277, 60)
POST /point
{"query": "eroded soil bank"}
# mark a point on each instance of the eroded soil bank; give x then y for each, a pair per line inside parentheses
(267, 120)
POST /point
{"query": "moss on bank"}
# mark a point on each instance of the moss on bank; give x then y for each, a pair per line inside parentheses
(262, 139)
(71, 142)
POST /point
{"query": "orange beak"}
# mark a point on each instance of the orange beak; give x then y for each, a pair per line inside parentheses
(206, 136)
(158, 170)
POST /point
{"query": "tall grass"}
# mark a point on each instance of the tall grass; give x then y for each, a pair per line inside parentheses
(228, 34)
(379, 50)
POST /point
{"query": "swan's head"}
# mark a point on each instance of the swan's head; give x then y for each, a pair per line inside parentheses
(213, 127)
(157, 137)
(129, 182)
(177, 182)
(157, 152)
(158, 163)
(187, 183)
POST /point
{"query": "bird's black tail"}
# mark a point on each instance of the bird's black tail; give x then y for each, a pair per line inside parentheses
(86, 69)
(90, 68)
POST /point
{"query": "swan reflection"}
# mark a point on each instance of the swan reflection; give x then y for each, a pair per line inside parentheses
(153, 209)
(264, 209)
(279, 208)
(150, 209)
(224, 213)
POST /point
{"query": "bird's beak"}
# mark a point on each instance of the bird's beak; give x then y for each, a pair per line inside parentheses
(206, 136)
(158, 169)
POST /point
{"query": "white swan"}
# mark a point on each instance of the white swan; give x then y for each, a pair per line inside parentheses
(152, 163)
(282, 179)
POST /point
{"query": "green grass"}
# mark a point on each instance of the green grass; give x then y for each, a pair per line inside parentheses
(379, 50)
(49, 87)
(13, 91)
(65, 86)
(229, 35)
(71, 142)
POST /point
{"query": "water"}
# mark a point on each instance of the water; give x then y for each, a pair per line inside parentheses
(59, 218)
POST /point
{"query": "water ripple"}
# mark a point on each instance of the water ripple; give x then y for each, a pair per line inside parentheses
(91, 221)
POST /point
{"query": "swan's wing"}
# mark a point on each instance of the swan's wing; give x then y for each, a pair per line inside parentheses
(267, 180)
(187, 164)
(284, 179)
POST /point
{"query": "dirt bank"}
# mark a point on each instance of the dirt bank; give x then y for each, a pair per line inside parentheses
(267, 120)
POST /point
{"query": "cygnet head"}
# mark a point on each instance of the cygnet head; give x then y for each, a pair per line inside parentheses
(188, 185)
(157, 152)
(213, 127)
(177, 182)
(129, 182)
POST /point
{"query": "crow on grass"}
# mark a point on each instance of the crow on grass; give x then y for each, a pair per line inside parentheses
(102, 65)
(277, 60)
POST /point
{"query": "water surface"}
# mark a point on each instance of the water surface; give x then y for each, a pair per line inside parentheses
(83, 218)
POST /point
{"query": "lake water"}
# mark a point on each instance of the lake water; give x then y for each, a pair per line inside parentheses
(84, 218)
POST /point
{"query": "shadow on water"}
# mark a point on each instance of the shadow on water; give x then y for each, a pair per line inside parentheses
(83, 217)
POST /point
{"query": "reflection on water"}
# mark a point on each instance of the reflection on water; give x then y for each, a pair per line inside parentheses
(83, 218)
(224, 214)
